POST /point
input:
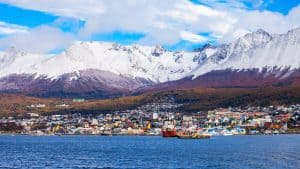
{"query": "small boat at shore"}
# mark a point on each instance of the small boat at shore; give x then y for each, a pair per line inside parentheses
(227, 133)
(192, 135)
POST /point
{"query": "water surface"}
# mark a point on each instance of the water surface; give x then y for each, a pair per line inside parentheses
(81, 152)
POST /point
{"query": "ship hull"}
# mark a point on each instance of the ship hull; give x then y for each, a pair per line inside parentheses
(193, 137)
(169, 133)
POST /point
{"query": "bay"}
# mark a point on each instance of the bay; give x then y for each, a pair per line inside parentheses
(82, 152)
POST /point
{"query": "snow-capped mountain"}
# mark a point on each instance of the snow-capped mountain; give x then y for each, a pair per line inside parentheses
(102, 66)
(152, 63)
(254, 50)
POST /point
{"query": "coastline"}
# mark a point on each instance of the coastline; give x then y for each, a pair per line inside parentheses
(136, 135)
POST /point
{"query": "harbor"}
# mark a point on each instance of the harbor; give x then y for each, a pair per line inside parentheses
(160, 120)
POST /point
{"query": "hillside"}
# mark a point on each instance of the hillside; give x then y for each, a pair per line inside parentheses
(193, 100)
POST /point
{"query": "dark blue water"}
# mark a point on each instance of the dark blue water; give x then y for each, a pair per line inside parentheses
(80, 152)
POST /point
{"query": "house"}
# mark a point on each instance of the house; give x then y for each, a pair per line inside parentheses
(78, 100)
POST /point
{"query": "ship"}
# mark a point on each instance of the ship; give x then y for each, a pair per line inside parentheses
(168, 129)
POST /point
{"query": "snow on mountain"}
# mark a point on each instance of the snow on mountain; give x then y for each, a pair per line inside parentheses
(153, 63)
(254, 50)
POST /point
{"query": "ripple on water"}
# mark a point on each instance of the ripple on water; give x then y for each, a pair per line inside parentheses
(239, 152)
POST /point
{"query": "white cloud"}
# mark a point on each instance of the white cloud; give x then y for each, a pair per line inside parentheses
(167, 21)
(188, 36)
(6, 28)
(71, 8)
(164, 36)
(42, 39)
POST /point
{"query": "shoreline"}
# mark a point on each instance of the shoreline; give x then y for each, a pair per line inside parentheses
(136, 135)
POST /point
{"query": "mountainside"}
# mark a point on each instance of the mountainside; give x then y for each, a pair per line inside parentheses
(100, 69)
(228, 78)
(88, 83)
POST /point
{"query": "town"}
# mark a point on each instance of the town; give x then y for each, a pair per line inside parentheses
(150, 119)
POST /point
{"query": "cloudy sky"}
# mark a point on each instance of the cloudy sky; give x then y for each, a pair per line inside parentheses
(49, 26)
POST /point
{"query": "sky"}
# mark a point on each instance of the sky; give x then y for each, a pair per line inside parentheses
(49, 26)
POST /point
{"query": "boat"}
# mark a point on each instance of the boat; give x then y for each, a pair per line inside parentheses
(227, 133)
(169, 133)
(168, 129)
(212, 132)
(192, 135)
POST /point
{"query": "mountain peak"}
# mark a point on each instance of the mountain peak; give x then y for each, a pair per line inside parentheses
(116, 46)
(260, 31)
(205, 46)
(158, 50)
(12, 50)
(253, 39)
(294, 33)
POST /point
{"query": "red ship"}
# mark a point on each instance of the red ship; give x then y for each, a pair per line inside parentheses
(168, 130)
(169, 133)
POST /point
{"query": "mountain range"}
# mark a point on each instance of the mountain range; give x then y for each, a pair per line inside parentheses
(102, 69)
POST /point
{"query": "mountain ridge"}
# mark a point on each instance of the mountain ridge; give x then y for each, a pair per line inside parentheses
(110, 69)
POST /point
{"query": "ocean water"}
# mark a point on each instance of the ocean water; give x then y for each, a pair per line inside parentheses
(83, 152)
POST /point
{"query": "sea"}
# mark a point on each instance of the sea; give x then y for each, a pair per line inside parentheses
(114, 152)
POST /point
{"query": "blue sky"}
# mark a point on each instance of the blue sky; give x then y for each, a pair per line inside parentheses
(178, 25)
(281, 6)
(29, 18)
